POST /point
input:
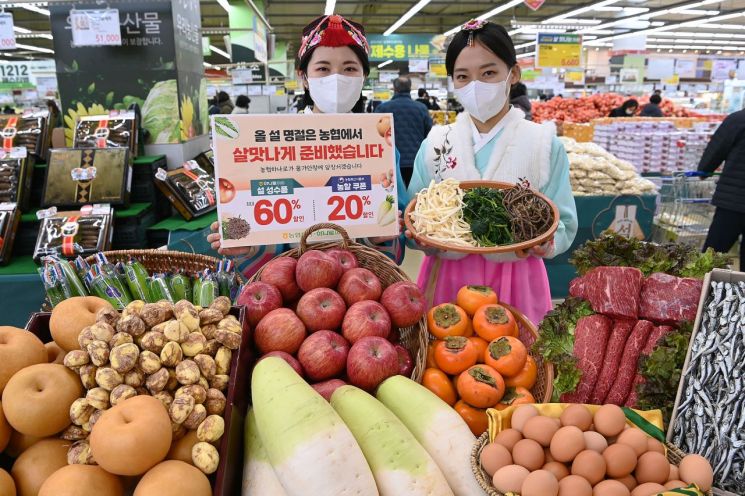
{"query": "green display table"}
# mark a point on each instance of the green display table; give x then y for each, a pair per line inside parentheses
(21, 291)
(182, 235)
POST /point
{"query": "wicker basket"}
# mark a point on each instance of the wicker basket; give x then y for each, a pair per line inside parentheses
(156, 261)
(674, 456)
(413, 338)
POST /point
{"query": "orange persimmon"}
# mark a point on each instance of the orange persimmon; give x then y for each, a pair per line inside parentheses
(469, 329)
(481, 345)
(431, 354)
(507, 355)
(471, 298)
(515, 396)
(493, 321)
(455, 354)
(446, 320)
(475, 418)
(526, 377)
(439, 383)
(481, 386)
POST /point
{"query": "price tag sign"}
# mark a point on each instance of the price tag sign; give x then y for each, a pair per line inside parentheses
(559, 50)
(280, 174)
(7, 36)
(95, 27)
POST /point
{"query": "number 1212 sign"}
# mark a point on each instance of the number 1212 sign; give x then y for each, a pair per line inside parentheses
(280, 174)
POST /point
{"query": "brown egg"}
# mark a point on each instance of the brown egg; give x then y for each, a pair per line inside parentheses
(647, 489)
(652, 467)
(529, 454)
(578, 416)
(132, 437)
(675, 484)
(620, 460)
(610, 488)
(594, 441)
(508, 438)
(509, 478)
(18, 349)
(82, 480)
(695, 469)
(540, 429)
(7, 486)
(37, 399)
(590, 465)
(547, 455)
(655, 445)
(628, 481)
(181, 448)
(609, 420)
(540, 483)
(37, 463)
(574, 485)
(73, 315)
(173, 478)
(567, 443)
(674, 474)
(495, 456)
(521, 415)
(635, 438)
(558, 469)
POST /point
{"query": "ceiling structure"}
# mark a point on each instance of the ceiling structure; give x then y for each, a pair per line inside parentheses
(678, 25)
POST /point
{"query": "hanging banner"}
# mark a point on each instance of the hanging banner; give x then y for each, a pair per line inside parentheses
(280, 174)
(400, 47)
(575, 77)
(7, 36)
(534, 4)
(418, 65)
(95, 27)
(685, 68)
(559, 50)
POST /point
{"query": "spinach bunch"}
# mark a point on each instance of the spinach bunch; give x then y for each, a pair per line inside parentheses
(485, 213)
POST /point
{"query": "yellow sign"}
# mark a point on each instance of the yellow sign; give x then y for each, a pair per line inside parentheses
(529, 75)
(280, 91)
(576, 77)
(559, 50)
(381, 95)
(438, 70)
(672, 80)
(291, 85)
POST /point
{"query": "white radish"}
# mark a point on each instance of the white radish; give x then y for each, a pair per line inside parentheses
(258, 474)
(437, 427)
(311, 449)
(399, 463)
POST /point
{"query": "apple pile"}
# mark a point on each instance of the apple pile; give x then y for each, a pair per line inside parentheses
(332, 320)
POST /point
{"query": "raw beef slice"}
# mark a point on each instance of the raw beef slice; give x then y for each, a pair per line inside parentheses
(629, 361)
(612, 291)
(590, 341)
(669, 299)
(654, 337)
(621, 331)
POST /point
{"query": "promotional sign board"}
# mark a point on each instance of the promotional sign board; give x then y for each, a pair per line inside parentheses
(559, 50)
(400, 47)
(7, 36)
(280, 174)
(95, 27)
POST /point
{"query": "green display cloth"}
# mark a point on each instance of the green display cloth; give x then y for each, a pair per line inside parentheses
(18, 265)
(21, 291)
(119, 213)
(177, 223)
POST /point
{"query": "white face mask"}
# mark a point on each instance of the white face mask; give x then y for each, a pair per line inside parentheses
(483, 100)
(335, 94)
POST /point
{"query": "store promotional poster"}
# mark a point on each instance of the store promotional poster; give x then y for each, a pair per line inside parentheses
(279, 175)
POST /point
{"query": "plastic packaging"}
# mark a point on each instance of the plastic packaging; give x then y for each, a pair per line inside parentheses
(181, 287)
(136, 276)
(159, 288)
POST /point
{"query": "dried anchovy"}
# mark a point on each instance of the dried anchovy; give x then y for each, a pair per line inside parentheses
(235, 228)
(530, 215)
(711, 415)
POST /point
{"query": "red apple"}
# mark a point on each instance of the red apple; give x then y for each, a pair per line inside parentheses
(281, 273)
(365, 318)
(287, 358)
(359, 284)
(279, 330)
(327, 388)
(317, 269)
(321, 308)
(323, 355)
(405, 362)
(404, 302)
(259, 298)
(345, 257)
(371, 360)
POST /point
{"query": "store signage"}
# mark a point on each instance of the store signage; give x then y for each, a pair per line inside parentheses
(95, 27)
(534, 4)
(400, 47)
(721, 68)
(559, 50)
(686, 68)
(280, 174)
(7, 36)
(673, 80)
(630, 76)
(575, 77)
(418, 65)
(244, 76)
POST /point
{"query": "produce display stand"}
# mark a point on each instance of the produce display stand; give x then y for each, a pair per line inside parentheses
(21, 290)
(595, 214)
(172, 230)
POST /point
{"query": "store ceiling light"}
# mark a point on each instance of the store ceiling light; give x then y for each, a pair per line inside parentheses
(698, 12)
(34, 48)
(405, 18)
(493, 12)
(330, 6)
(34, 8)
(19, 29)
(591, 22)
(219, 51)
(389, 61)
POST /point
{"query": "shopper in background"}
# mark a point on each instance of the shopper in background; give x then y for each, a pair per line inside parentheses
(424, 98)
(493, 141)
(652, 109)
(627, 109)
(519, 98)
(295, 105)
(55, 116)
(241, 104)
(727, 145)
(411, 123)
(332, 64)
(213, 108)
(434, 104)
(224, 103)
(8, 110)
